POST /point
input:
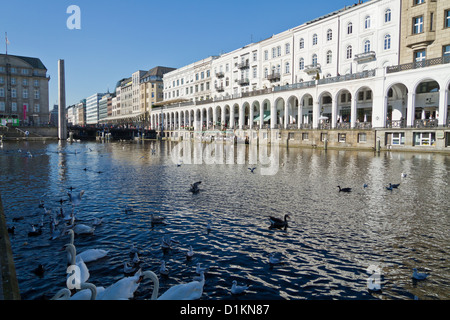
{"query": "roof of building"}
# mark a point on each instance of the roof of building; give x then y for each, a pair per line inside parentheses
(34, 62)
(158, 71)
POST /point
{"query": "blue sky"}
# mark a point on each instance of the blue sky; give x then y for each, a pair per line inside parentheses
(119, 37)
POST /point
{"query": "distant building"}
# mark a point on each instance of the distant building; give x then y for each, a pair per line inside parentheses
(92, 108)
(53, 118)
(24, 90)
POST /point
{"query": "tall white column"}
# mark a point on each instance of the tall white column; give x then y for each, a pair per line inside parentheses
(411, 109)
(316, 114)
(334, 108)
(62, 122)
(353, 112)
(443, 107)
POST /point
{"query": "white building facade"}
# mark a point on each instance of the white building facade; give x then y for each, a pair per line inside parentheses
(339, 71)
(92, 111)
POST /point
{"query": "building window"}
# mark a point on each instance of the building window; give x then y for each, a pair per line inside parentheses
(288, 48)
(266, 73)
(419, 1)
(13, 93)
(362, 137)
(342, 137)
(446, 51)
(302, 43)
(305, 136)
(301, 64)
(418, 25)
(366, 46)
(274, 52)
(2, 106)
(2, 92)
(2, 80)
(398, 138)
(314, 39)
(349, 52)
(387, 42)
(255, 72)
(323, 136)
(37, 108)
(25, 93)
(13, 81)
(387, 15)
(314, 60)
(447, 19)
(287, 68)
(349, 28)
(329, 57)
(279, 51)
(255, 56)
(420, 55)
(329, 35)
(367, 22)
(424, 138)
(25, 82)
(266, 55)
(14, 107)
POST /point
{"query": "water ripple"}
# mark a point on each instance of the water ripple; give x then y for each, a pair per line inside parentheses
(332, 240)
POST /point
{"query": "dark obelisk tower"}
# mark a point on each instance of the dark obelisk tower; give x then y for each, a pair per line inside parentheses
(62, 122)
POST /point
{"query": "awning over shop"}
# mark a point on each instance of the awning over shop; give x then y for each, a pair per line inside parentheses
(266, 116)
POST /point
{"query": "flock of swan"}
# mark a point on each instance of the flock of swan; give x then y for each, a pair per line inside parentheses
(124, 288)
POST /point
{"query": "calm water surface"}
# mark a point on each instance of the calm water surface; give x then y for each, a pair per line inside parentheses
(334, 239)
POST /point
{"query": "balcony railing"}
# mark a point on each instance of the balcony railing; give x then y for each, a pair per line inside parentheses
(244, 65)
(220, 88)
(426, 123)
(343, 125)
(347, 77)
(365, 56)
(243, 82)
(312, 68)
(300, 85)
(364, 125)
(395, 124)
(418, 64)
(274, 77)
(220, 74)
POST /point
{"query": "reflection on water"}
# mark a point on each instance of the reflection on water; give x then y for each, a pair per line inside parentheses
(333, 242)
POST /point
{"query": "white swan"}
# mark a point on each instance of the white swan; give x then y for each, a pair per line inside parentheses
(235, 289)
(75, 199)
(72, 253)
(83, 229)
(199, 269)
(123, 289)
(186, 291)
(190, 253)
(88, 255)
(88, 292)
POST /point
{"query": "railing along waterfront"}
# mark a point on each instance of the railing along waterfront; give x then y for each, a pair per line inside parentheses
(347, 77)
(418, 64)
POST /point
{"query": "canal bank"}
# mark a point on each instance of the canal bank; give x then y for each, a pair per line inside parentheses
(9, 287)
(420, 140)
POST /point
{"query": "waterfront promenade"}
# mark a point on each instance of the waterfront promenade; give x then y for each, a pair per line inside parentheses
(9, 288)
